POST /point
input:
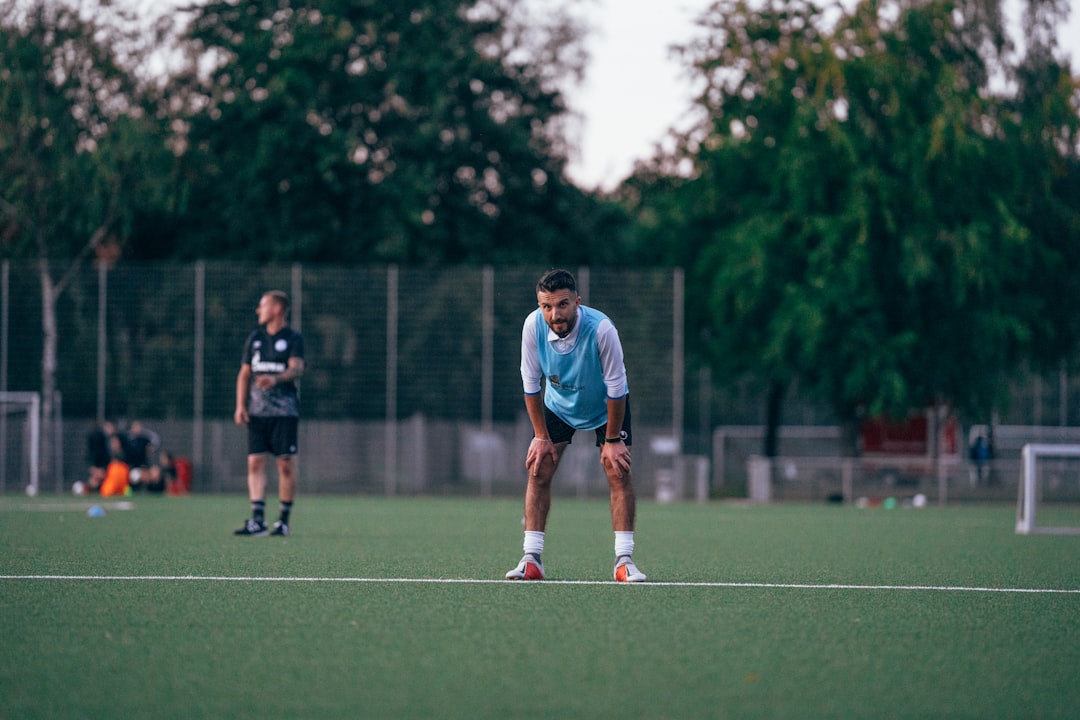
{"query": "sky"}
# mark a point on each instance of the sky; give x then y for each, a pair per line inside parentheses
(635, 90)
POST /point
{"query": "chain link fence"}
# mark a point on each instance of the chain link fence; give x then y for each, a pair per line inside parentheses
(412, 381)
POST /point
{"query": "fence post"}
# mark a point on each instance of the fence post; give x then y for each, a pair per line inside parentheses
(102, 335)
(678, 370)
(198, 396)
(296, 315)
(847, 479)
(4, 281)
(701, 478)
(719, 442)
(487, 372)
(759, 470)
(391, 435)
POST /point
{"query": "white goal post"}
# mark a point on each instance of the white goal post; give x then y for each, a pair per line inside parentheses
(1029, 492)
(23, 408)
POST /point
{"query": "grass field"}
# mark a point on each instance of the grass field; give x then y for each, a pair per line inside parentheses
(393, 608)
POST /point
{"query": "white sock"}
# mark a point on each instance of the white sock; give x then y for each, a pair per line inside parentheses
(534, 542)
(624, 543)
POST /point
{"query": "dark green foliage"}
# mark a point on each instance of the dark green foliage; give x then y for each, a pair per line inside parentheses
(78, 146)
(870, 215)
(374, 132)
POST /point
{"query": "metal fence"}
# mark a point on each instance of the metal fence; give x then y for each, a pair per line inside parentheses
(811, 467)
(412, 382)
(412, 379)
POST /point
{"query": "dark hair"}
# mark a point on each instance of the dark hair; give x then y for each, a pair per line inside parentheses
(557, 279)
(281, 298)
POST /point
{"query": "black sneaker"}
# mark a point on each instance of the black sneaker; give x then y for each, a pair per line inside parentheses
(254, 528)
(281, 529)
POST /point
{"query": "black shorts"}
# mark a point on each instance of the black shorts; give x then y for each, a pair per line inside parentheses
(560, 432)
(274, 435)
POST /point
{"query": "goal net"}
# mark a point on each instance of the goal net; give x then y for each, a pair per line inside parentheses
(1049, 489)
(20, 441)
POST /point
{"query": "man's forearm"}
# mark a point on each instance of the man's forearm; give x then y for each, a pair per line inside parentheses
(534, 406)
(616, 411)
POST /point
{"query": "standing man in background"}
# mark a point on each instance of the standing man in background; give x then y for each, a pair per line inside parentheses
(268, 402)
(577, 350)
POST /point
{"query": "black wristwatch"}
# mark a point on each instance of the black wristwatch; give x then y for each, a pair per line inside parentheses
(613, 440)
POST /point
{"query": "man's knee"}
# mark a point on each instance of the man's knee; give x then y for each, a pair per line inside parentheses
(543, 480)
(286, 466)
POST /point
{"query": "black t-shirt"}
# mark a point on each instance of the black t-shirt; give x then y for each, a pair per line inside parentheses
(97, 448)
(138, 450)
(269, 355)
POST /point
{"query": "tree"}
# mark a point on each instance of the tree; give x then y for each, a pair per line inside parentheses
(364, 131)
(72, 140)
(850, 222)
(1042, 125)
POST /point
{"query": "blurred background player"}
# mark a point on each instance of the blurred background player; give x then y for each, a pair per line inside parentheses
(577, 350)
(141, 447)
(98, 454)
(268, 402)
(117, 474)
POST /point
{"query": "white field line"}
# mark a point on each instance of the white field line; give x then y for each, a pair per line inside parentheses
(473, 581)
(72, 506)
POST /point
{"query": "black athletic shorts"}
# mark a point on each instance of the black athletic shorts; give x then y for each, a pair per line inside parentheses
(274, 435)
(561, 432)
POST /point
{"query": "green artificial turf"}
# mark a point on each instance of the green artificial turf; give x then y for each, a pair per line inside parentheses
(784, 611)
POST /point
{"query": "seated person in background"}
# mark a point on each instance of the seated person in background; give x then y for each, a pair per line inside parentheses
(166, 476)
(98, 453)
(116, 480)
(140, 445)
